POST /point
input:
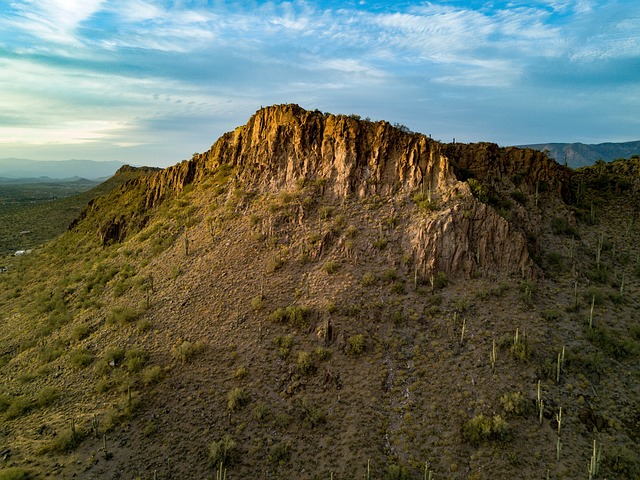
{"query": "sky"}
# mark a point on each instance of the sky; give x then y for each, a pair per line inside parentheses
(150, 82)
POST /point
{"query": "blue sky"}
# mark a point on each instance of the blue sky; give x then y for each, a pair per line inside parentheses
(153, 81)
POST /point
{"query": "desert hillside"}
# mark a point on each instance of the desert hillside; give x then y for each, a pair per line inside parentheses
(319, 296)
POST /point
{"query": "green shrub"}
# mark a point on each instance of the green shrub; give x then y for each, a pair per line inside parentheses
(612, 344)
(19, 406)
(398, 287)
(260, 412)
(440, 280)
(224, 451)
(305, 363)
(424, 202)
(5, 402)
(623, 462)
(185, 351)
(380, 243)
(14, 473)
(368, 279)
(257, 303)
(481, 428)
(331, 267)
(279, 453)
(514, 403)
(47, 396)
(113, 357)
(284, 345)
(66, 441)
(122, 315)
(80, 332)
(81, 358)
(479, 190)
(312, 414)
(356, 344)
(296, 316)
(240, 373)
(135, 360)
(397, 472)
(389, 275)
(561, 226)
(152, 375)
(237, 399)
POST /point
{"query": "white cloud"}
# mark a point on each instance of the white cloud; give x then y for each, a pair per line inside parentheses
(54, 20)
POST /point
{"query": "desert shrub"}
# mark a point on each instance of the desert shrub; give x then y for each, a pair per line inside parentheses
(398, 287)
(257, 303)
(555, 261)
(260, 412)
(5, 401)
(561, 226)
(240, 373)
(389, 275)
(514, 403)
(284, 345)
(356, 344)
(440, 280)
(275, 263)
(185, 351)
(81, 358)
(551, 314)
(18, 407)
(224, 451)
(424, 202)
(280, 452)
(312, 415)
(14, 473)
(397, 472)
(144, 325)
(47, 396)
(322, 353)
(305, 363)
(380, 243)
(481, 428)
(114, 356)
(612, 344)
(594, 295)
(623, 462)
(368, 279)
(52, 351)
(135, 360)
(80, 332)
(66, 441)
(331, 267)
(479, 190)
(152, 375)
(237, 399)
(296, 316)
(122, 315)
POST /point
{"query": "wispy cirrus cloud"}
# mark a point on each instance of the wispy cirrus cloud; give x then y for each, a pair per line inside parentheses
(52, 20)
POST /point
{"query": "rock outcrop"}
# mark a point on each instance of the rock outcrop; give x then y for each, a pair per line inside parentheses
(283, 144)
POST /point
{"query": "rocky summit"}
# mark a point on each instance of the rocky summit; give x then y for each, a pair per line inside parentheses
(321, 296)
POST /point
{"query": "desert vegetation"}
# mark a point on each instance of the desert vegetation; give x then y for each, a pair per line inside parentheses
(300, 332)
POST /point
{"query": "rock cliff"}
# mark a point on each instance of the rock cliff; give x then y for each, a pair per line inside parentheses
(281, 145)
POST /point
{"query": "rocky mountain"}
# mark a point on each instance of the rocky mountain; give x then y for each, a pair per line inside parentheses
(319, 296)
(37, 170)
(579, 154)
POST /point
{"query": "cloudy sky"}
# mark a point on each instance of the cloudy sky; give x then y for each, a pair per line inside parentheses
(153, 81)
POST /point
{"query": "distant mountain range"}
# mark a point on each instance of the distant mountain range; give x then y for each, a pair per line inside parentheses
(580, 154)
(20, 168)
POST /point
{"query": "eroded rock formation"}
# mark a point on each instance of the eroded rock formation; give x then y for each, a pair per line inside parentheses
(283, 144)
